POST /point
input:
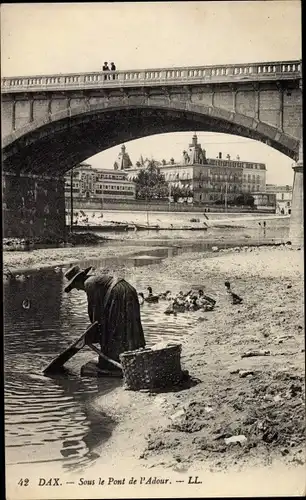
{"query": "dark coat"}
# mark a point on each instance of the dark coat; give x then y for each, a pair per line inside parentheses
(119, 320)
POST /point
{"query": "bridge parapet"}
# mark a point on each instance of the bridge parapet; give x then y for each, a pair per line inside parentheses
(280, 70)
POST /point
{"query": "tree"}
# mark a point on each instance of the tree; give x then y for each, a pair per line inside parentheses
(186, 193)
(181, 192)
(244, 199)
(176, 193)
(151, 183)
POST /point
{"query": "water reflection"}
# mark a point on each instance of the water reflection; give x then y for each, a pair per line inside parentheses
(97, 425)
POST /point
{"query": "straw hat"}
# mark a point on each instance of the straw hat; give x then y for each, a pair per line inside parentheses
(73, 274)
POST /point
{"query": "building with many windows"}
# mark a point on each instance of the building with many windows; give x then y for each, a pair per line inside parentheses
(253, 174)
(211, 180)
(207, 180)
(97, 184)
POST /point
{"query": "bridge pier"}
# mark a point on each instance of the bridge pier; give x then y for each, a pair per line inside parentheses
(33, 206)
(296, 231)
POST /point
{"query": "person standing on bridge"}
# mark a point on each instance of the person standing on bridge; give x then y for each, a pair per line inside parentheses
(105, 68)
(113, 68)
(114, 304)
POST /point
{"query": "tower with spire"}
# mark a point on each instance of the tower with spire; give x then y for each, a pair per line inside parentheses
(196, 154)
(123, 161)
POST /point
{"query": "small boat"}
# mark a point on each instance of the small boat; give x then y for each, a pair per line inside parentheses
(183, 228)
(195, 228)
(144, 227)
(102, 227)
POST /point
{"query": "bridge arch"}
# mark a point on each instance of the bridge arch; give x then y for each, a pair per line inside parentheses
(63, 139)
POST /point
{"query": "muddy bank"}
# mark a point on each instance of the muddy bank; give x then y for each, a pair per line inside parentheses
(20, 261)
(236, 231)
(243, 411)
(48, 257)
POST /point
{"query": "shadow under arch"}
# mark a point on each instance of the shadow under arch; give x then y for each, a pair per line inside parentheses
(68, 137)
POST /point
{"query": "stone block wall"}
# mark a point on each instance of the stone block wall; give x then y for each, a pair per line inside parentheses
(142, 206)
(33, 206)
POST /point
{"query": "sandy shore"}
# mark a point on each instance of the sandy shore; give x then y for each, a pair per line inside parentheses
(184, 429)
(48, 257)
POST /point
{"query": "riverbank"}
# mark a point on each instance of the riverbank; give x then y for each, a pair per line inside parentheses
(188, 429)
(18, 261)
(242, 231)
(167, 220)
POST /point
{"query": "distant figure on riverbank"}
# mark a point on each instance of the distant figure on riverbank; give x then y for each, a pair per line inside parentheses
(114, 304)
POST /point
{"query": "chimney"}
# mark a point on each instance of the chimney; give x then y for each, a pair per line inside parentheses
(220, 156)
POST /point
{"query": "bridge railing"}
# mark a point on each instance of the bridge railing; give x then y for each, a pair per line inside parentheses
(131, 78)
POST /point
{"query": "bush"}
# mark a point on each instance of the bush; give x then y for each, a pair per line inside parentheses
(84, 239)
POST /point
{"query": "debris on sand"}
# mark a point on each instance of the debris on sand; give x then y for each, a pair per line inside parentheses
(235, 439)
(255, 353)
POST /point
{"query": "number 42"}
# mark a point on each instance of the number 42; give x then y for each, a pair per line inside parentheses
(23, 482)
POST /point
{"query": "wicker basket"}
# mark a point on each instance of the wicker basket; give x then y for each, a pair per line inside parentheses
(152, 368)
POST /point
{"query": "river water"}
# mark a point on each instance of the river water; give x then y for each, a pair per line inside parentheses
(50, 419)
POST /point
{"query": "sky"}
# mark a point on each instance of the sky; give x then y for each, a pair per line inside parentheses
(79, 37)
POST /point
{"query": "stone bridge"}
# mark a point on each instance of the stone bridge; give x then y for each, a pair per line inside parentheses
(52, 122)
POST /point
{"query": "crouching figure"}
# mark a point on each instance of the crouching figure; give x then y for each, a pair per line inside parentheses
(114, 304)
